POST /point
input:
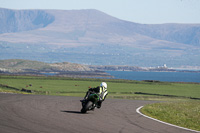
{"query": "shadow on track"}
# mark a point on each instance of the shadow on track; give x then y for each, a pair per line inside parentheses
(74, 112)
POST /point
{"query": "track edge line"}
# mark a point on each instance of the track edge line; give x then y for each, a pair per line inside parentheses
(138, 111)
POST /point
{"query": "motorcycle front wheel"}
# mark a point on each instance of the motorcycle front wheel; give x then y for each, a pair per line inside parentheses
(86, 107)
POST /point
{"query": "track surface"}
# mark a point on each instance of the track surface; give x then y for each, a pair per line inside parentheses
(59, 114)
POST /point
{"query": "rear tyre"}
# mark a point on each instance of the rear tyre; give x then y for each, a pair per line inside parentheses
(87, 106)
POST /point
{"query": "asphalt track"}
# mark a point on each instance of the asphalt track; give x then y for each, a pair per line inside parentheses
(60, 114)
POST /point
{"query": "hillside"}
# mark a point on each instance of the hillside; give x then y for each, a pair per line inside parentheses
(65, 69)
(18, 65)
(18, 20)
(93, 37)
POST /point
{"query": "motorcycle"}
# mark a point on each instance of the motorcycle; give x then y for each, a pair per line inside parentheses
(90, 103)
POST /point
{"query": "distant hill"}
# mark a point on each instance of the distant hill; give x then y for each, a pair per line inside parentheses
(93, 37)
(19, 65)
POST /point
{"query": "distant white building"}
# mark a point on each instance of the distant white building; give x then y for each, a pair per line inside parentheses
(164, 66)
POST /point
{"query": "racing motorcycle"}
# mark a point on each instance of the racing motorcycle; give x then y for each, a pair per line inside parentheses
(90, 103)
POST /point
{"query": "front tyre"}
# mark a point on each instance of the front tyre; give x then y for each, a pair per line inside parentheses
(87, 107)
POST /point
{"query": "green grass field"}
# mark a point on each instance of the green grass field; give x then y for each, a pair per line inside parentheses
(116, 88)
(179, 110)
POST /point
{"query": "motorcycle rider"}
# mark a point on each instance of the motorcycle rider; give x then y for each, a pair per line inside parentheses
(100, 90)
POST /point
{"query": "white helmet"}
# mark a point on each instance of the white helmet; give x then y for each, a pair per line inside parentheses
(103, 84)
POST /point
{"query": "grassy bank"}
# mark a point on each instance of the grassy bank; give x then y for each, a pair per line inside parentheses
(184, 114)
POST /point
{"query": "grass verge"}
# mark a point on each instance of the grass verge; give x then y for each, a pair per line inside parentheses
(185, 113)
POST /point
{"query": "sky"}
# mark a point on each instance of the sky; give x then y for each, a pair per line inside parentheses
(139, 11)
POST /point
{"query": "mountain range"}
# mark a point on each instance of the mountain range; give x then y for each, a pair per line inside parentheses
(95, 38)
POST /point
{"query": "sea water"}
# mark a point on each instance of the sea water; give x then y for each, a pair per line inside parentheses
(159, 76)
